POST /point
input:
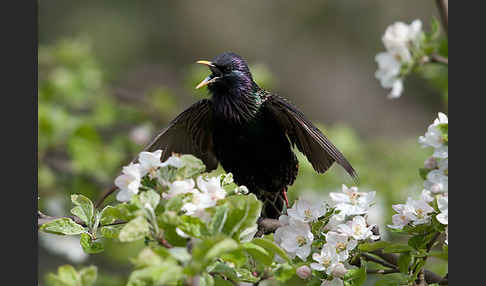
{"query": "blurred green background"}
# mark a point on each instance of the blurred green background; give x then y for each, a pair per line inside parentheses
(113, 73)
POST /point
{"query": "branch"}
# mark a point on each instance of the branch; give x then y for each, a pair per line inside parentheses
(105, 195)
(379, 261)
(430, 277)
(438, 59)
(443, 6)
(267, 225)
(43, 219)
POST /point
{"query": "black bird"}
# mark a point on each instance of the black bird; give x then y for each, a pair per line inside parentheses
(250, 131)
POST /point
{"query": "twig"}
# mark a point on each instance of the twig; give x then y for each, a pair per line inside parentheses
(105, 195)
(443, 6)
(438, 59)
(430, 277)
(382, 271)
(43, 219)
(267, 225)
(379, 261)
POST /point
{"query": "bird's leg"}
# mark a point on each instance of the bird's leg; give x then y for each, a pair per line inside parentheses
(284, 192)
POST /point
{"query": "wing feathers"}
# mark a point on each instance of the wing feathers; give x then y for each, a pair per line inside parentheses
(188, 133)
(320, 152)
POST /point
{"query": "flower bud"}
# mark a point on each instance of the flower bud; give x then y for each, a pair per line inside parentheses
(304, 272)
(430, 163)
(339, 270)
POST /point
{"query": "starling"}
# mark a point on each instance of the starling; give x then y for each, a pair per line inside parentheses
(250, 131)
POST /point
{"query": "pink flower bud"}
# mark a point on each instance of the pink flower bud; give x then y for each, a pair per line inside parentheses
(339, 270)
(430, 163)
(304, 272)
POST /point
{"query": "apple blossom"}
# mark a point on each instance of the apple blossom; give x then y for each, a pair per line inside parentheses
(358, 229)
(307, 211)
(327, 258)
(443, 204)
(149, 162)
(295, 238)
(342, 243)
(179, 187)
(128, 182)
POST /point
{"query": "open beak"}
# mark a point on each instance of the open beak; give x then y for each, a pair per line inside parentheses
(209, 79)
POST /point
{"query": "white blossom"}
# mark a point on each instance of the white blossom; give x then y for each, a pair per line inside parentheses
(447, 235)
(433, 136)
(437, 180)
(342, 243)
(335, 220)
(443, 204)
(358, 229)
(388, 73)
(198, 202)
(128, 182)
(295, 237)
(149, 162)
(307, 211)
(398, 40)
(415, 211)
(352, 202)
(179, 187)
(327, 258)
(400, 37)
(212, 187)
(427, 196)
(173, 161)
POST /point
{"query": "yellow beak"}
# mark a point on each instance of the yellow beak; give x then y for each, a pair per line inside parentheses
(208, 79)
(208, 63)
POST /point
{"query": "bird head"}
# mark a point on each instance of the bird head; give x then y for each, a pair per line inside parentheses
(229, 72)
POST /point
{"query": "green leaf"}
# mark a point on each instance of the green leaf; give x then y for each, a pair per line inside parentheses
(393, 279)
(111, 231)
(271, 247)
(68, 276)
(355, 277)
(218, 281)
(193, 226)
(180, 254)
(149, 197)
(258, 253)
(244, 210)
(109, 215)
(404, 262)
(397, 248)
(67, 273)
(90, 246)
(372, 246)
(147, 257)
(84, 208)
(224, 270)
(191, 166)
(135, 229)
(163, 274)
(206, 280)
(284, 272)
(423, 173)
(218, 219)
(88, 275)
(64, 226)
(205, 251)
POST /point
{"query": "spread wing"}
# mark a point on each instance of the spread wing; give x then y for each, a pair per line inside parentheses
(320, 152)
(188, 133)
